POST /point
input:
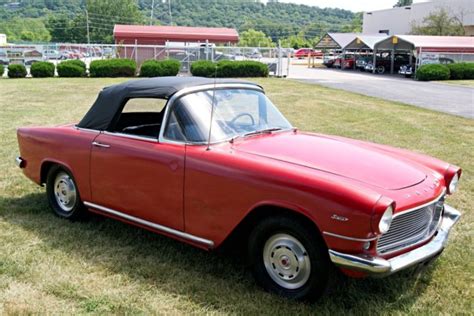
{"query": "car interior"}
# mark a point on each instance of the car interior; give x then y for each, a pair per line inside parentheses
(143, 117)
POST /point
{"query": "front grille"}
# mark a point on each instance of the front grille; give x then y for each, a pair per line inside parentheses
(411, 227)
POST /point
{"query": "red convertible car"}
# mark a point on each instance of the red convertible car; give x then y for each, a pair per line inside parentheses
(207, 162)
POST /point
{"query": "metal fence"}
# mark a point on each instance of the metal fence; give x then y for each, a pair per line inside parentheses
(444, 58)
(277, 59)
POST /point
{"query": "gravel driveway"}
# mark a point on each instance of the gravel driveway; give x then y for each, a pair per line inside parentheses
(452, 99)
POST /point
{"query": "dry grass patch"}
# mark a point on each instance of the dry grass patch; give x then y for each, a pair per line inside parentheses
(467, 83)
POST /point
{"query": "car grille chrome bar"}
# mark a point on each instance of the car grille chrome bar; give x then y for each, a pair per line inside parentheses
(413, 227)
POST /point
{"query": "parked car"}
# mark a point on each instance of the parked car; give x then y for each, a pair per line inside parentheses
(52, 54)
(328, 59)
(407, 70)
(383, 64)
(76, 54)
(362, 60)
(108, 52)
(15, 56)
(217, 162)
(4, 60)
(305, 52)
(254, 54)
(32, 56)
(344, 61)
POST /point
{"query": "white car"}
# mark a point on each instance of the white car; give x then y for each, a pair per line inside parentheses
(4, 60)
(52, 54)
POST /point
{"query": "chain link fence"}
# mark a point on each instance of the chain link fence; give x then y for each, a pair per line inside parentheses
(444, 58)
(277, 59)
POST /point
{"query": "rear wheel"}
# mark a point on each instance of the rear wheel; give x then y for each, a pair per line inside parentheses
(289, 258)
(380, 69)
(63, 195)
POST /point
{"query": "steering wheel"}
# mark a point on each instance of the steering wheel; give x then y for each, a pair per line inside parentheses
(242, 115)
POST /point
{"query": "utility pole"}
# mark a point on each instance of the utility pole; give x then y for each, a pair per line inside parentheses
(169, 10)
(87, 25)
(151, 14)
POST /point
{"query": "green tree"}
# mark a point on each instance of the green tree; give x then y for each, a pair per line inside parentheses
(439, 22)
(25, 30)
(356, 23)
(295, 41)
(403, 3)
(104, 14)
(253, 38)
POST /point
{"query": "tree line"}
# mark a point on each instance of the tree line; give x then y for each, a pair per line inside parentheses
(258, 24)
(67, 20)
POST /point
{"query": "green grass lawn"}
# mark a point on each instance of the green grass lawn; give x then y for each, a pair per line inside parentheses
(103, 266)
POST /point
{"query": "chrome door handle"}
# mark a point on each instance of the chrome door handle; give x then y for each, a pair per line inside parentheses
(100, 145)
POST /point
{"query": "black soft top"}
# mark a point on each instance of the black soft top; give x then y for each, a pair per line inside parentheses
(111, 99)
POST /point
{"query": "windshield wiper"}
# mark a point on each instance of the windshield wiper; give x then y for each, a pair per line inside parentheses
(263, 131)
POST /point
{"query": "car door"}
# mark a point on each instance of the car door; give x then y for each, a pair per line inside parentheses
(138, 176)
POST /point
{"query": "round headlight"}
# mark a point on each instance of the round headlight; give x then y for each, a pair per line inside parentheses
(386, 220)
(453, 184)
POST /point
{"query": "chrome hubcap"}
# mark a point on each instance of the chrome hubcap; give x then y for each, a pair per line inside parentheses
(286, 261)
(65, 192)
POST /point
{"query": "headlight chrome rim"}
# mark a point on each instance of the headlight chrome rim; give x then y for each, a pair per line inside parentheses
(453, 184)
(386, 220)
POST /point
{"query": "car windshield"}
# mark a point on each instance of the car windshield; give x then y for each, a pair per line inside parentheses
(237, 112)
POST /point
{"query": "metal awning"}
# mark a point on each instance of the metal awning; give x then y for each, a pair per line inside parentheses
(427, 43)
(335, 40)
(366, 42)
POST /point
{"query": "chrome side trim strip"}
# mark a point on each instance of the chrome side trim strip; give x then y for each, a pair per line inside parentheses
(349, 238)
(162, 228)
(421, 206)
(86, 129)
(149, 139)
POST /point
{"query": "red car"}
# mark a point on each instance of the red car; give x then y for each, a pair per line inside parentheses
(213, 163)
(344, 61)
(305, 52)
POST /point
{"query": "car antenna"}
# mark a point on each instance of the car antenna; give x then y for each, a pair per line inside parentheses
(212, 108)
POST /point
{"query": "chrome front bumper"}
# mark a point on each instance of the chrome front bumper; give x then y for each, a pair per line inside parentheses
(380, 266)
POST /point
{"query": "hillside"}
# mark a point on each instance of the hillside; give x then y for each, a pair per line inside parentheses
(65, 17)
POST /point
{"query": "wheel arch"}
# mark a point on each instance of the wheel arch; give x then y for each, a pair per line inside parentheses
(258, 213)
(47, 164)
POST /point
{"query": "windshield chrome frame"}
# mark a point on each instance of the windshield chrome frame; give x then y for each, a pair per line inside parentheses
(186, 91)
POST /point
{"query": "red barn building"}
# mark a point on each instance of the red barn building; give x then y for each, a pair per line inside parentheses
(159, 35)
(142, 42)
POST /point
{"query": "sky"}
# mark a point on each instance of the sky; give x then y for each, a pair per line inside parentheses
(353, 5)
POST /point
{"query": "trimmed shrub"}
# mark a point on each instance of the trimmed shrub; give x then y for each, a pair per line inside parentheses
(71, 68)
(432, 72)
(115, 67)
(469, 71)
(203, 68)
(42, 69)
(244, 68)
(16, 71)
(229, 69)
(457, 70)
(160, 68)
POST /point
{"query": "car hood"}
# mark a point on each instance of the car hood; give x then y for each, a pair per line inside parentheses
(336, 156)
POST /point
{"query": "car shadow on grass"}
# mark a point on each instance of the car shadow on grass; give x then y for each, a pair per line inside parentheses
(215, 281)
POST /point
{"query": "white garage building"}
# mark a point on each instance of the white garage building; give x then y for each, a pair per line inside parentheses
(399, 20)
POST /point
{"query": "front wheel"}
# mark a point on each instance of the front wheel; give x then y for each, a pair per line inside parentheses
(289, 258)
(63, 195)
